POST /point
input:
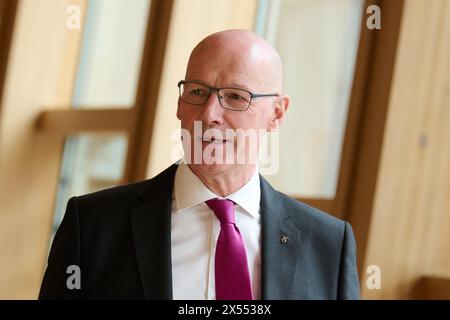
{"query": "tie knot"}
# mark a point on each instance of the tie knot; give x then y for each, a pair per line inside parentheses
(223, 209)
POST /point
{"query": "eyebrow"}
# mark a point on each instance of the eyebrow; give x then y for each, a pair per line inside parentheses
(231, 85)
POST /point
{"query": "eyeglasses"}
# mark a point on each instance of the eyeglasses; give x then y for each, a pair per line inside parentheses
(235, 99)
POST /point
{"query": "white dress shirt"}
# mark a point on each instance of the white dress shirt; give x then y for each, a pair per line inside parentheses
(195, 230)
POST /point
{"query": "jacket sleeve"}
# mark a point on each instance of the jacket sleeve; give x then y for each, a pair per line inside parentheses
(348, 274)
(63, 258)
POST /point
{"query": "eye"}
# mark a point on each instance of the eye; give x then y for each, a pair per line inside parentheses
(198, 92)
(235, 96)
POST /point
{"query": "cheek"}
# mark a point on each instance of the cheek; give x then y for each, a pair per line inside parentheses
(246, 121)
(186, 116)
(238, 121)
(265, 118)
(256, 121)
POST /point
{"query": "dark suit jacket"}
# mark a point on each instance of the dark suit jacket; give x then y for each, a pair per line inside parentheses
(121, 240)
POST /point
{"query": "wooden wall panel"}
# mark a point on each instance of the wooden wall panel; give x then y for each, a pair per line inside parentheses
(410, 223)
(41, 71)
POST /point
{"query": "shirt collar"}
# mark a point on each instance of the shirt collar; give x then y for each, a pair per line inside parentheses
(190, 191)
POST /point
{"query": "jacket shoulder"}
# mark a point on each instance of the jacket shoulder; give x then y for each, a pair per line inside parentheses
(124, 198)
(313, 220)
(309, 212)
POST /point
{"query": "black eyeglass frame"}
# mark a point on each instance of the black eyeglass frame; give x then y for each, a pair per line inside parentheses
(211, 89)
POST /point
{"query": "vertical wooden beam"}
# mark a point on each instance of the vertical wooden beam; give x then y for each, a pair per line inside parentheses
(148, 90)
(357, 105)
(8, 10)
(372, 117)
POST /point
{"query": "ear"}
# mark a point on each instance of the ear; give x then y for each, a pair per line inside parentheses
(178, 109)
(279, 111)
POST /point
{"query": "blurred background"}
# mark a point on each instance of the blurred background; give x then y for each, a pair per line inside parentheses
(88, 98)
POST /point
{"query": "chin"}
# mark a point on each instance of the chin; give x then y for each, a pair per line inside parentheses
(204, 165)
(211, 169)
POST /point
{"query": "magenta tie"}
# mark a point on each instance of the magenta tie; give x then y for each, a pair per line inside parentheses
(231, 268)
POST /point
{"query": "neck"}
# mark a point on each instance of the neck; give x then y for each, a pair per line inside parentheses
(224, 183)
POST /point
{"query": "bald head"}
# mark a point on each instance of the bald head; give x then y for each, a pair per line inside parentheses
(237, 53)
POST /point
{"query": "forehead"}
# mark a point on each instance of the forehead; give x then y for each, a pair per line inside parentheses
(231, 65)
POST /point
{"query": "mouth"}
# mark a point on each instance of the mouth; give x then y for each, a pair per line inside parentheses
(208, 140)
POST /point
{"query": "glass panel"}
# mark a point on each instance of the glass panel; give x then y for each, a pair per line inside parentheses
(317, 41)
(110, 57)
(90, 163)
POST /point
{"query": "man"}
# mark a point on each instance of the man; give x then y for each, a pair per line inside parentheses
(206, 229)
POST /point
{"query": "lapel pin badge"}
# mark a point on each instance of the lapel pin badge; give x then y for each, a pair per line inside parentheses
(284, 239)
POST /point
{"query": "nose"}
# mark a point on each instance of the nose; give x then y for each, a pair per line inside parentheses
(212, 113)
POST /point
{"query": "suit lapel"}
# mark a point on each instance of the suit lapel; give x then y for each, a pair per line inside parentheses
(151, 224)
(280, 245)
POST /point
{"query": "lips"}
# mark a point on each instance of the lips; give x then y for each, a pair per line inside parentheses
(212, 140)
